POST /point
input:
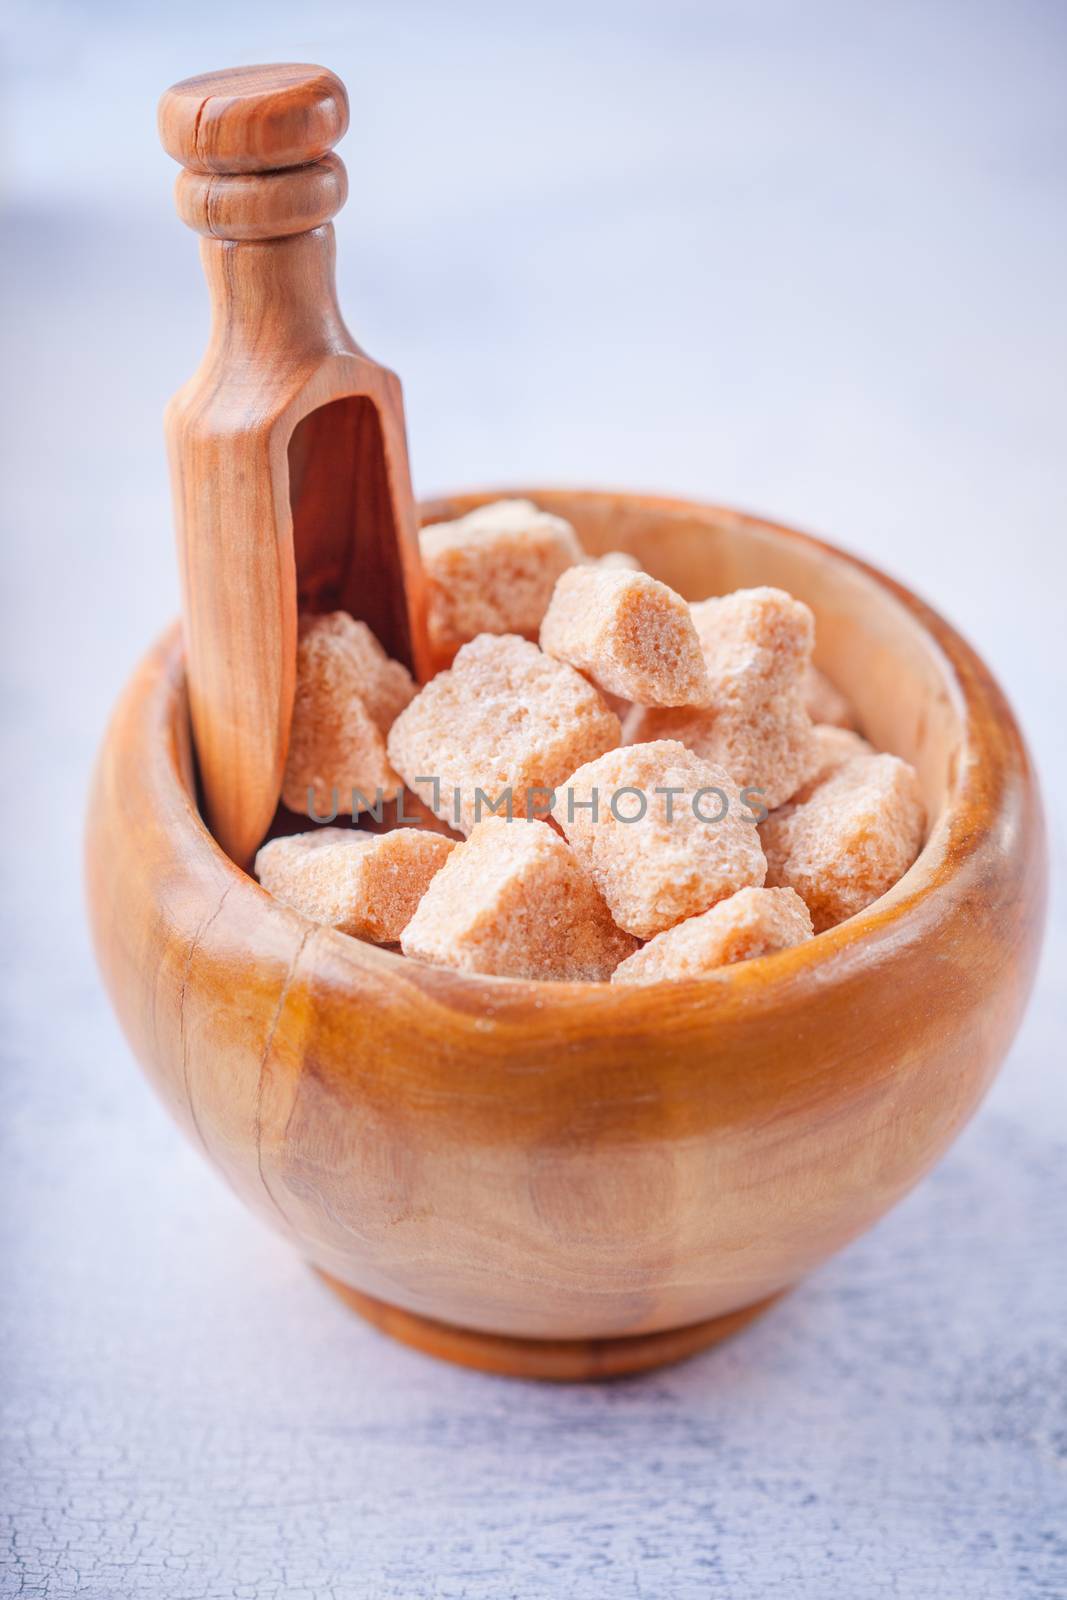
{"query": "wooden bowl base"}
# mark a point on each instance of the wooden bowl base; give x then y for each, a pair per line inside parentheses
(560, 1360)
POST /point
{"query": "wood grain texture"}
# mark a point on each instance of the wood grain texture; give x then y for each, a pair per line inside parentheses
(558, 1360)
(253, 119)
(287, 448)
(568, 1162)
(265, 205)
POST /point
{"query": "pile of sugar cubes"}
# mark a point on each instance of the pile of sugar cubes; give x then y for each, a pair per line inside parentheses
(607, 783)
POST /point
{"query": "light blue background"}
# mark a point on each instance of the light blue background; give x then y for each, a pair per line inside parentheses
(805, 258)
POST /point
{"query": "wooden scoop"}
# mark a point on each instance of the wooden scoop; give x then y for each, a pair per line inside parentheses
(287, 448)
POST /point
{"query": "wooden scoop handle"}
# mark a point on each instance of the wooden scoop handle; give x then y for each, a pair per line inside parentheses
(255, 144)
(288, 450)
(253, 119)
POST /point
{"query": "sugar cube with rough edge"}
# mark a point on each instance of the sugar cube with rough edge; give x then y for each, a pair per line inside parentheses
(618, 560)
(386, 686)
(337, 751)
(680, 853)
(513, 902)
(493, 571)
(365, 884)
(751, 923)
(844, 846)
(757, 646)
(755, 642)
(824, 702)
(834, 746)
(768, 749)
(631, 634)
(503, 717)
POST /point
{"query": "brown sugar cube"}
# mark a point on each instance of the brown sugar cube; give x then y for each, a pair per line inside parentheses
(632, 635)
(752, 922)
(620, 560)
(513, 902)
(769, 749)
(386, 685)
(755, 642)
(364, 884)
(504, 719)
(679, 853)
(617, 560)
(824, 702)
(493, 571)
(833, 746)
(850, 841)
(757, 645)
(347, 693)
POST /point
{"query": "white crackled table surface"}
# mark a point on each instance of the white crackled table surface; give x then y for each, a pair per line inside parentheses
(808, 260)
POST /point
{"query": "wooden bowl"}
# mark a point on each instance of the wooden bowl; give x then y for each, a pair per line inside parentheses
(573, 1180)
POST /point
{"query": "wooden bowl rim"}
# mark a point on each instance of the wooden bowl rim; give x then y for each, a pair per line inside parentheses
(986, 781)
